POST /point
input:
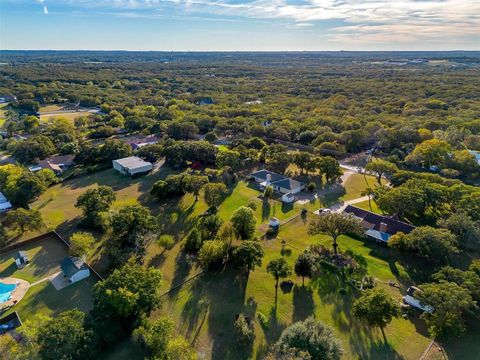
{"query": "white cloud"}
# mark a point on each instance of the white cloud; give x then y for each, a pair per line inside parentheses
(399, 20)
(45, 9)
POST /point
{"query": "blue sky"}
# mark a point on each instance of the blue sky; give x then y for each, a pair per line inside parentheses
(240, 24)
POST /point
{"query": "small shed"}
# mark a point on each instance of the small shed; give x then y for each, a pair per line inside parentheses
(74, 269)
(132, 166)
(21, 259)
(274, 222)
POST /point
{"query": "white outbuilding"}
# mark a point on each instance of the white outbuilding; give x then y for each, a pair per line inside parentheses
(74, 269)
(132, 166)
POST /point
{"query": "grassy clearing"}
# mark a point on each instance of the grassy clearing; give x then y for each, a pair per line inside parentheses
(365, 205)
(64, 115)
(205, 307)
(44, 299)
(50, 108)
(355, 184)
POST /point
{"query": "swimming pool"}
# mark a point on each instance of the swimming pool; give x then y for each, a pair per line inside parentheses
(6, 291)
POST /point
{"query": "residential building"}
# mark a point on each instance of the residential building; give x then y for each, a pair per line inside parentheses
(287, 187)
(378, 227)
(56, 163)
(74, 269)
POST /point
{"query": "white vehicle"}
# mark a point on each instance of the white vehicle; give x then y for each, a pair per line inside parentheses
(412, 301)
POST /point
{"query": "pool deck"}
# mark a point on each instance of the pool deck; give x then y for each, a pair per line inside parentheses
(18, 293)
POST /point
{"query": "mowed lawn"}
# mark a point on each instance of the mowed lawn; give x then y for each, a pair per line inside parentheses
(204, 308)
(45, 257)
(57, 204)
(63, 115)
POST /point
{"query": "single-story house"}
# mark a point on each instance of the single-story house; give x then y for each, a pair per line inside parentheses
(263, 176)
(5, 205)
(378, 227)
(56, 163)
(132, 165)
(139, 142)
(74, 269)
(286, 186)
(21, 259)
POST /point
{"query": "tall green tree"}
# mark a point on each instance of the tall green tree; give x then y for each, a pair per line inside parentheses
(376, 308)
(130, 224)
(452, 305)
(65, 337)
(313, 337)
(23, 220)
(279, 269)
(244, 222)
(127, 293)
(432, 244)
(381, 168)
(248, 255)
(334, 225)
(213, 194)
(94, 202)
(194, 184)
(304, 266)
(159, 338)
(81, 244)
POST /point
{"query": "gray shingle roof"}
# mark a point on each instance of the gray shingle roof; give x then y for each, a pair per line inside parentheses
(71, 265)
(262, 174)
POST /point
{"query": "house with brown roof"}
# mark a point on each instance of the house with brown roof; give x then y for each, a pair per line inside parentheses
(378, 227)
(56, 163)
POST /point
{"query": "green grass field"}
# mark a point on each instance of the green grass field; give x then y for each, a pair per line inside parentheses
(66, 115)
(204, 308)
(45, 257)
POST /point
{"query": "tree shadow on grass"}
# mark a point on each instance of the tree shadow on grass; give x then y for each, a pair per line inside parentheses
(182, 270)
(275, 326)
(303, 304)
(223, 291)
(8, 271)
(361, 340)
(381, 350)
(266, 208)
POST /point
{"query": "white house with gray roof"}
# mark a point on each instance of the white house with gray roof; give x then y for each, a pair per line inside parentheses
(286, 186)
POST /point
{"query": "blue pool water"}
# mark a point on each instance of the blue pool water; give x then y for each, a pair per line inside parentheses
(5, 291)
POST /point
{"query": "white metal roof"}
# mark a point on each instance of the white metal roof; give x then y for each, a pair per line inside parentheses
(132, 162)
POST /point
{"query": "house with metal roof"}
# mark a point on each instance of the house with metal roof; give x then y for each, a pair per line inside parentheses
(378, 227)
(132, 166)
(74, 269)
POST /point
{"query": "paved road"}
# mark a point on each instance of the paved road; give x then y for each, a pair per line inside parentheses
(339, 207)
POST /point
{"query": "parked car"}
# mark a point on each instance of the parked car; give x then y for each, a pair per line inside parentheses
(410, 299)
